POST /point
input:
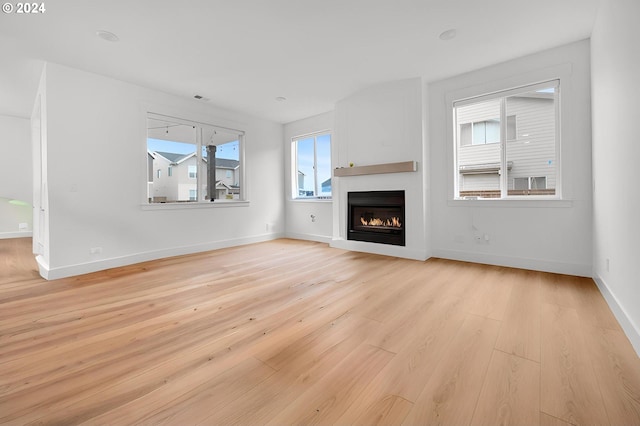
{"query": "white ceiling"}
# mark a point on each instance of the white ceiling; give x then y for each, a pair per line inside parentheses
(243, 54)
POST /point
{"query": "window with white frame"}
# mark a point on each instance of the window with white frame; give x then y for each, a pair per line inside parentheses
(196, 156)
(506, 144)
(311, 166)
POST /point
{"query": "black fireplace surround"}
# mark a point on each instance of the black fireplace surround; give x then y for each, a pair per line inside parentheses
(376, 217)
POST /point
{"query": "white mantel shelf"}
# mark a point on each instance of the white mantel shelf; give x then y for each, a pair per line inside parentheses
(402, 167)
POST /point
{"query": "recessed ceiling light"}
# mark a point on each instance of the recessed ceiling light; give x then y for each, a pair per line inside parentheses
(108, 36)
(281, 99)
(448, 34)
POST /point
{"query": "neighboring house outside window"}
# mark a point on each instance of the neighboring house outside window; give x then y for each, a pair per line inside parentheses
(182, 145)
(326, 186)
(227, 177)
(517, 158)
(311, 163)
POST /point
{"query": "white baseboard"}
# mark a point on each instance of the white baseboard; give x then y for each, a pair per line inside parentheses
(308, 237)
(383, 249)
(20, 234)
(43, 267)
(516, 262)
(99, 265)
(630, 329)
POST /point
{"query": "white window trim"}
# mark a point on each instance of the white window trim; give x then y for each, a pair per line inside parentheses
(513, 201)
(502, 90)
(150, 108)
(294, 168)
(195, 205)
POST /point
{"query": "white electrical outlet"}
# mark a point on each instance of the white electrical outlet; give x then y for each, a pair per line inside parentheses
(95, 250)
(22, 226)
(606, 264)
(481, 238)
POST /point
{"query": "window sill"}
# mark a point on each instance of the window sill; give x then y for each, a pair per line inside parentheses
(312, 200)
(513, 202)
(189, 206)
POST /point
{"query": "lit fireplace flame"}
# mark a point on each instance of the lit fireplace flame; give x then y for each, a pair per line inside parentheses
(393, 222)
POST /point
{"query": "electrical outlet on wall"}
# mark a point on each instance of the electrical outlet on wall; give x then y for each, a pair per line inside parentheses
(481, 238)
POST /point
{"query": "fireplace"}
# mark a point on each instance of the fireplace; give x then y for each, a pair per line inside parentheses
(376, 217)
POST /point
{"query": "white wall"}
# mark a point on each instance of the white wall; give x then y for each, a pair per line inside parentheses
(616, 155)
(377, 125)
(15, 176)
(551, 236)
(96, 171)
(299, 221)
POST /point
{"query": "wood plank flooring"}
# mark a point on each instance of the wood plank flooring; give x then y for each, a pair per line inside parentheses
(294, 332)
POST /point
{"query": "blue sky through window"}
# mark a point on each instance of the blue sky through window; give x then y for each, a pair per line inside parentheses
(305, 151)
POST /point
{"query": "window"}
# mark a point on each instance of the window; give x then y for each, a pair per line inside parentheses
(528, 184)
(185, 148)
(311, 165)
(507, 144)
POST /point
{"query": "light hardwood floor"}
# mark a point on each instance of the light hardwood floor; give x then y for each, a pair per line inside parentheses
(292, 332)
